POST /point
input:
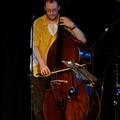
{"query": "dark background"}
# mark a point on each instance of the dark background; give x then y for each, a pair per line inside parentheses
(92, 17)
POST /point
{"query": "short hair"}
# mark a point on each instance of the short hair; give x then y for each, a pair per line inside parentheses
(51, 1)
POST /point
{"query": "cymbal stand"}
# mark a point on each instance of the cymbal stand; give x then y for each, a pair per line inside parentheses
(91, 101)
(117, 97)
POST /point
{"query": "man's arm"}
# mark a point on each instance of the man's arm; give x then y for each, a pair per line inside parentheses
(43, 67)
(78, 33)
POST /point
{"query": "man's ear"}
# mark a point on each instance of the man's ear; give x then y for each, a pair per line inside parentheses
(44, 8)
(59, 7)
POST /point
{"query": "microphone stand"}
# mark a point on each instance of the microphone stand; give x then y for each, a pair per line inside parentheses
(31, 65)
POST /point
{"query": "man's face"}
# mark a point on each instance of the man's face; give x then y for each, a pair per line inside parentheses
(52, 10)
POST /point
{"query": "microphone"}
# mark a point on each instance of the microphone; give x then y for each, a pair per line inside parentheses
(33, 18)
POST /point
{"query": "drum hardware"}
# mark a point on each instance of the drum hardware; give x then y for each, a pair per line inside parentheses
(102, 78)
(116, 103)
(91, 101)
(93, 50)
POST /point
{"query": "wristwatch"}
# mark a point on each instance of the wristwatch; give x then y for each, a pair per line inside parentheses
(74, 26)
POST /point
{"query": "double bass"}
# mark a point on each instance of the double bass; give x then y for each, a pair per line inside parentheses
(68, 97)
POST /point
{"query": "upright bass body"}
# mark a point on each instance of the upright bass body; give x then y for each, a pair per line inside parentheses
(67, 98)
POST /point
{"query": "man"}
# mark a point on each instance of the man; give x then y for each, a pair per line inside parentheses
(45, 32)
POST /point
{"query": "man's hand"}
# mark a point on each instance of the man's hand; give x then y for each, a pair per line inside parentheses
(44, 70)
(66, 22)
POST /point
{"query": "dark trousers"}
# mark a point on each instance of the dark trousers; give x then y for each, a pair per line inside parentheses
(39, 87)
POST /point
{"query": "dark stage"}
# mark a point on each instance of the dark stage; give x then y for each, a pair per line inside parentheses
(99, 20)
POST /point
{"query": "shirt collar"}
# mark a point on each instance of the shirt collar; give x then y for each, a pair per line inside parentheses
(46, 22)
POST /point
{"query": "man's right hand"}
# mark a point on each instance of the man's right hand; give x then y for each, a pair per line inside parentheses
(44, 70)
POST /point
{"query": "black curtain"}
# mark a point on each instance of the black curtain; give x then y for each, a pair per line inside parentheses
(15, 29)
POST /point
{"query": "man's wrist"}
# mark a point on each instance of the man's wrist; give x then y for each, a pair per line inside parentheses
(74, 27)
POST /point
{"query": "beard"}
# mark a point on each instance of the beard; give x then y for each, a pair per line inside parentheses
(52, 17)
